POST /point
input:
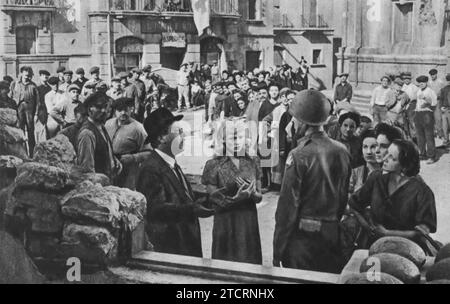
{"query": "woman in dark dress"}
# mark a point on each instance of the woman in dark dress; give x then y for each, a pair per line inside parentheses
(400, 202)
(236, 231)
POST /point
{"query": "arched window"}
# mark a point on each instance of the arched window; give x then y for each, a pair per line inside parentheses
(128, 54)
(26, 40)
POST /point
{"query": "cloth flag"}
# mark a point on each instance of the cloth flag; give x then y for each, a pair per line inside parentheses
(201, 11)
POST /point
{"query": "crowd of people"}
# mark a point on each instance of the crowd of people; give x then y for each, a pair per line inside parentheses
(345, 179)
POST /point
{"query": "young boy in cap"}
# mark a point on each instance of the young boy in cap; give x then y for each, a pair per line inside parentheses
(81, 80)
(67, 81)
(63, 112)
(424, 120)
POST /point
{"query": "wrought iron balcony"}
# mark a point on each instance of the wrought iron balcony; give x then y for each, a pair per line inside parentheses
(21, 5)
(217, 7)
(284, 23)
(313, 22)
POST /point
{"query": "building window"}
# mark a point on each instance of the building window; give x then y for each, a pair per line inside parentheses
(26, 40)
(128, 54)
(317, 57)
(309, 13)
(252, 60)
(254, 10)
(403, 22)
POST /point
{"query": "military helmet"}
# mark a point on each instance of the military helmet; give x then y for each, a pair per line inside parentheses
(311, 107)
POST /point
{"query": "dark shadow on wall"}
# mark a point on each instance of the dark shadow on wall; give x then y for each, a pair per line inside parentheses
(316, 37)
(62, 25)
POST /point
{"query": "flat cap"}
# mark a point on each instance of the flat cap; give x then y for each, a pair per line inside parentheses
(73, 87)
(68, 72)
(44, 72)
(60, 69)
(407, 75)
(422, 79)
(53, 80)
(80, 71)
(433, 72)
(90, 85)
(123, 75)
(94, 70)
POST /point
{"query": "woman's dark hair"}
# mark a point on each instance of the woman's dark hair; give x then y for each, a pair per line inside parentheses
(370, 133)
(392, 133)
(408, 157)
(350, 115)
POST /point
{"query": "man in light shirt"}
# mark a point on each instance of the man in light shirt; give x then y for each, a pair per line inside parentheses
(382, 96)
(52, 98)
(424, 121)
(183, 87)
(436, 84)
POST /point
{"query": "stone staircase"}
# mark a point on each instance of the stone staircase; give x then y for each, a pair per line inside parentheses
(361, 100)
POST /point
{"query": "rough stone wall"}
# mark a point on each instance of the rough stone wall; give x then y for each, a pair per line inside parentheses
(57, 212)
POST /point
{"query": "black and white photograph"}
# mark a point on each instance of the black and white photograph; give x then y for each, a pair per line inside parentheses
(224, 148)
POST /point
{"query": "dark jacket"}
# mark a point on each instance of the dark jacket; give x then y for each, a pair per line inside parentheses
(315, 188)
(343, 91)
(42, 112)
(172, 226)
(444, 97)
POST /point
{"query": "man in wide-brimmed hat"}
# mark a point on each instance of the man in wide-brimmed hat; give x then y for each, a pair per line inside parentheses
(173, 210)
(314, 194)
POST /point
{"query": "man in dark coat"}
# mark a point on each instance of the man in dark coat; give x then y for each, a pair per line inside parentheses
(314, 193)
(172, 211)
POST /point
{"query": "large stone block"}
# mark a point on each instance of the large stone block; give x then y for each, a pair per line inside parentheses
(57, 152)
(132, 205)
(95, 244)
(77, 177)
(12, 142)
(8, 117)
(42, 210)
(91, 203)
(40, 176)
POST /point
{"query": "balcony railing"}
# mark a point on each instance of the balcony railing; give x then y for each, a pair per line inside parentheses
(218, 7)
(310, 22)
(40, 3)
(284, 22)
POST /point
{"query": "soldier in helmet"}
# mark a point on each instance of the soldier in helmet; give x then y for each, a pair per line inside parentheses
(314, 193)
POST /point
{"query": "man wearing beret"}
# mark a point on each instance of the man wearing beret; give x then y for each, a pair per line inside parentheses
(314, 193)
(382, 96)
(344, 90)
(94, 147)
(424, 121)
(63, 112)
(172, 209)
(81, 80)
(127, 135)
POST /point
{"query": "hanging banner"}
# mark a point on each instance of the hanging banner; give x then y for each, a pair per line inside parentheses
(201, 11)
(172, 39)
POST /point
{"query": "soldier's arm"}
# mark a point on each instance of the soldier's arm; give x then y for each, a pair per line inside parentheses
(286, 217)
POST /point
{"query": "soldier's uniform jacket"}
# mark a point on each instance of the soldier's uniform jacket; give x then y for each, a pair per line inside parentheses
(314, 191)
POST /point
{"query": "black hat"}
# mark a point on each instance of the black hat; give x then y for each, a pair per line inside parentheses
(79, 71)
(158, 120)
(53, 80)
(262, 86)
(94, 70)
(44, 72)
(422, 79)
(96, 98)
(433, 72)
(68, 72)
(61, 69)
(356, 117)
(447, 77)
(123, 103)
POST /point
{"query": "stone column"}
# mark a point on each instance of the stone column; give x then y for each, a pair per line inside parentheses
(377, 24)
(99, 44)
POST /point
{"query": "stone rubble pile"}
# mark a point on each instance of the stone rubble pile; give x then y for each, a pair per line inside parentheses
(12, 139)
(60, 213)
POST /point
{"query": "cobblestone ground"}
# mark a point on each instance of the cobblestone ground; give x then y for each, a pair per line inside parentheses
(437, 176)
